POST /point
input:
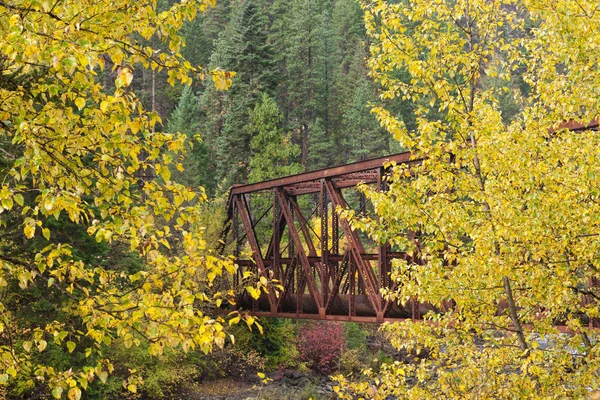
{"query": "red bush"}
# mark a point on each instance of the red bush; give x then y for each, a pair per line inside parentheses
(320, 344)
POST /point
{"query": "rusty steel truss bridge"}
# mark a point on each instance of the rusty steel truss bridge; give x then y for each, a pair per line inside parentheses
(326, 269)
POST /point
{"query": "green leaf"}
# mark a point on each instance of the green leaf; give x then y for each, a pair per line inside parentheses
(57, 392)
(71, 346)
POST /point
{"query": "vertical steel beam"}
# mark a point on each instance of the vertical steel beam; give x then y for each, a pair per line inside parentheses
(286, 209)
(335, 237)
(382, 259)
(276, 240)
(236, 240)
(325, 267)
(352, 288)
(242, 208)
(371, 284)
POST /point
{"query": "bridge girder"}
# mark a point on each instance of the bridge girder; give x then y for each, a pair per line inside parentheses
(320, 278)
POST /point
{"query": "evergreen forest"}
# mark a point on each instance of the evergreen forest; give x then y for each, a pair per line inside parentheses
(124, 126)
(299, 100)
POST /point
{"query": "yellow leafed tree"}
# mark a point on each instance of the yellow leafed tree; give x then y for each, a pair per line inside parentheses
(77, 149)
(505, 204)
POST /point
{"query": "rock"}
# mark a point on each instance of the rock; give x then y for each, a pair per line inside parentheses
(303, 380)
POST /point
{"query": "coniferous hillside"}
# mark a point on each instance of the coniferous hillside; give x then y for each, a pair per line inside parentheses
(299, 101)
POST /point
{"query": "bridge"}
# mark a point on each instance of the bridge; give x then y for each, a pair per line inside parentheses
(326, 269)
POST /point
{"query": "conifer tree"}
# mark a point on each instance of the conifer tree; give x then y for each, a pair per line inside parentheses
(300, 69)
(272, 149)
(250, 56)
(197, 166)
(322, 148)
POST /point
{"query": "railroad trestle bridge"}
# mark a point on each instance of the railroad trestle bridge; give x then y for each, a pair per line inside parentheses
(327, 270)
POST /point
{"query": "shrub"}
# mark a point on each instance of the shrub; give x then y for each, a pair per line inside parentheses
(160, 377)
(277, 343)
(351, 361)
(320, 344)
(356, 337)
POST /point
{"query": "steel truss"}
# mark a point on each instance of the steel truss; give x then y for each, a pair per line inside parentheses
(325, 273)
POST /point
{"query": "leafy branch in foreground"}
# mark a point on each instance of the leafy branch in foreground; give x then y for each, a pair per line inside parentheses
(505, 206)
(76, 154)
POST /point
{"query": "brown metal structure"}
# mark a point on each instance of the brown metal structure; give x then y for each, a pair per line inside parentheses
(330, 272)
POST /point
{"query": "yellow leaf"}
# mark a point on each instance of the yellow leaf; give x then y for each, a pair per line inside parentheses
(103, 375)
(57, 392)
(80, 102)
(74, 393)
(254, 292)
(29, 231)
(71, 346)
(126, 76)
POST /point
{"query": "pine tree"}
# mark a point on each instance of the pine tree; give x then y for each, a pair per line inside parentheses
(322, 148)
(251, 56)
(300, 49)
(202, 33)
(365, 137)
(272, 149)
(197, 166)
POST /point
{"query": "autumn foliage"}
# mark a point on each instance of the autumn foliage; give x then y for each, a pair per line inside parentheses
(86, 173)
(320, 344)
(504, 201)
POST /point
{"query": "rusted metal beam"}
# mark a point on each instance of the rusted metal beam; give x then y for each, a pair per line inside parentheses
(286, 209)
(242, 209)
(356, 249)
(322, 173)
